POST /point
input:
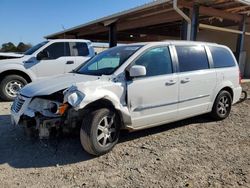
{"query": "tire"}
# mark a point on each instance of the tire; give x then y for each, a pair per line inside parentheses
(98, 135)
(222, 106)
(10, 85)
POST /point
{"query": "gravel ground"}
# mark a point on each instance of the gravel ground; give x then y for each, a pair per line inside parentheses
(196, 152)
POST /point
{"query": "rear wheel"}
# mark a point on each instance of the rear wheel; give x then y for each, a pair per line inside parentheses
(100, 131)
(222, 105)
(10, 86)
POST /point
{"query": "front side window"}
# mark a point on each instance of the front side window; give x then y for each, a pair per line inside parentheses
(192, 58)
(35, 48)
(79, 49)
(108, 61)
(221, 57)
(58, 49)
(157, 61)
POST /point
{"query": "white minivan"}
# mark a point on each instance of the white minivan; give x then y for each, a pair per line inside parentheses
(132, 87)
(49, 58)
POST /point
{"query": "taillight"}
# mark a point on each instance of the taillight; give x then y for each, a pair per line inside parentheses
(240, 77)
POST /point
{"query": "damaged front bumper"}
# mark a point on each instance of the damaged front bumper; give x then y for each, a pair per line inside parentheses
(34, 114)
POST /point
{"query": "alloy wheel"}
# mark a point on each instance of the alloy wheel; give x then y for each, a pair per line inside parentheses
(223, 105)
(106, 131)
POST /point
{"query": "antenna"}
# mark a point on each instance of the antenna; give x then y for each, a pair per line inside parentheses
(64, 31)
(64, 36)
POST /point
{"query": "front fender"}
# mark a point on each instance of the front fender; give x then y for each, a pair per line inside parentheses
(17, 67)
(113, 92)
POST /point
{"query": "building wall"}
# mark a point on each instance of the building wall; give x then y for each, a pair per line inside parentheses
(228, 39)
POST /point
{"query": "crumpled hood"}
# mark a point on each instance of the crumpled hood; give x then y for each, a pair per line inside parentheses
(51, 85)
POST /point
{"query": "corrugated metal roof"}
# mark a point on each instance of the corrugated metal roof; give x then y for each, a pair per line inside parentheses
(113, 16)
(138, 9)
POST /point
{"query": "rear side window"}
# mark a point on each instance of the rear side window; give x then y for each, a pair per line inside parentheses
(221, 57)
(79, 49)
(192, 58)
(57, 50)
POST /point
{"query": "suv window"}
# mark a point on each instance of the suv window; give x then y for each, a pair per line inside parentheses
(58, 49)
(157, 61)
(79, 49)
(192, 58)
(221, 57)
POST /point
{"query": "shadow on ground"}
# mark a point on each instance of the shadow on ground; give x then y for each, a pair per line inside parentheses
(19, 151)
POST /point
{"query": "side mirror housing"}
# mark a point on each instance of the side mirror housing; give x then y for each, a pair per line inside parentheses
(137, 71)
(42, 55)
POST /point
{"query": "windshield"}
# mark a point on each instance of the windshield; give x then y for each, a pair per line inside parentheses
(35, 48)
(108, 61)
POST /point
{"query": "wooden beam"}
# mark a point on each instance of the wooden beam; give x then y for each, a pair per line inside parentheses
(210, 27)
(148, 21)
(209, 11)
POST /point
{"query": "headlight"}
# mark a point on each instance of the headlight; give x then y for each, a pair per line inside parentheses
(48, 107)
(53, 107)
(74, 98)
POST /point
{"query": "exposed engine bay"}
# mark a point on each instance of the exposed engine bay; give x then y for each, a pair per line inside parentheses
(46, 114)
(64, 110)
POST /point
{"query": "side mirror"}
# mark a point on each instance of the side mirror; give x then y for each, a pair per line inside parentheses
(137, 71)
(42, 55)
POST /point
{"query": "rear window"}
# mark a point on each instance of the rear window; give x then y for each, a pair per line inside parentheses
(192, 58)
(79, 49)
(221, 57)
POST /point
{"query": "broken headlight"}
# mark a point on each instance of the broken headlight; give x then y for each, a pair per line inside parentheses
(74, 98)
(53, 107)
(46, 107)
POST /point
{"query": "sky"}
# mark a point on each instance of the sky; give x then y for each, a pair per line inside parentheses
(29, 21)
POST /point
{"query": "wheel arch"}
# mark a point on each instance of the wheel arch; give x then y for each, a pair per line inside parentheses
(228, 89)
(105, 103)
(16, 72)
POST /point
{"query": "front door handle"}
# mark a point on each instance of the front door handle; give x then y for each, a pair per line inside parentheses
(185, 80)
(70, 62)
(170, 82)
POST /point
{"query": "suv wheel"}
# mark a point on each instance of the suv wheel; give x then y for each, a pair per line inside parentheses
(100, 131)
(10, 86)
(222, 105)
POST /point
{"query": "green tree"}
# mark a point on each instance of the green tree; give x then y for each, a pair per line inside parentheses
(8, 47)
(21, 47)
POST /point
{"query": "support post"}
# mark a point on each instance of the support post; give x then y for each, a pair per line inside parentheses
(195, 21)
(241, 38)
(184, 25)
(112, 35)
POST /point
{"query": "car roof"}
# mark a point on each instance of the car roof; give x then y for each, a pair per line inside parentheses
(70, 40)
(176, 42)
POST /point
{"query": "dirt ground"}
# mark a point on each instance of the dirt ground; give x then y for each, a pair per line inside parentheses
(197, 152)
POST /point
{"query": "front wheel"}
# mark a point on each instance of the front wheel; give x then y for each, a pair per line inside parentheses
(10, 86)
(222, 105)
(100, 131)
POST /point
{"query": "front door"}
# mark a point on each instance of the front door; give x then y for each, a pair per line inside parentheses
(152, 99)
(58, 57)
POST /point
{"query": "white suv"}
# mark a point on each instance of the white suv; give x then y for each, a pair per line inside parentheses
(132, 87)
(48, 58)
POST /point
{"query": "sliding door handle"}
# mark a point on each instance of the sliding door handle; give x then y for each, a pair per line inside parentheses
(185, 80)
(70, 62)
(170, 82)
